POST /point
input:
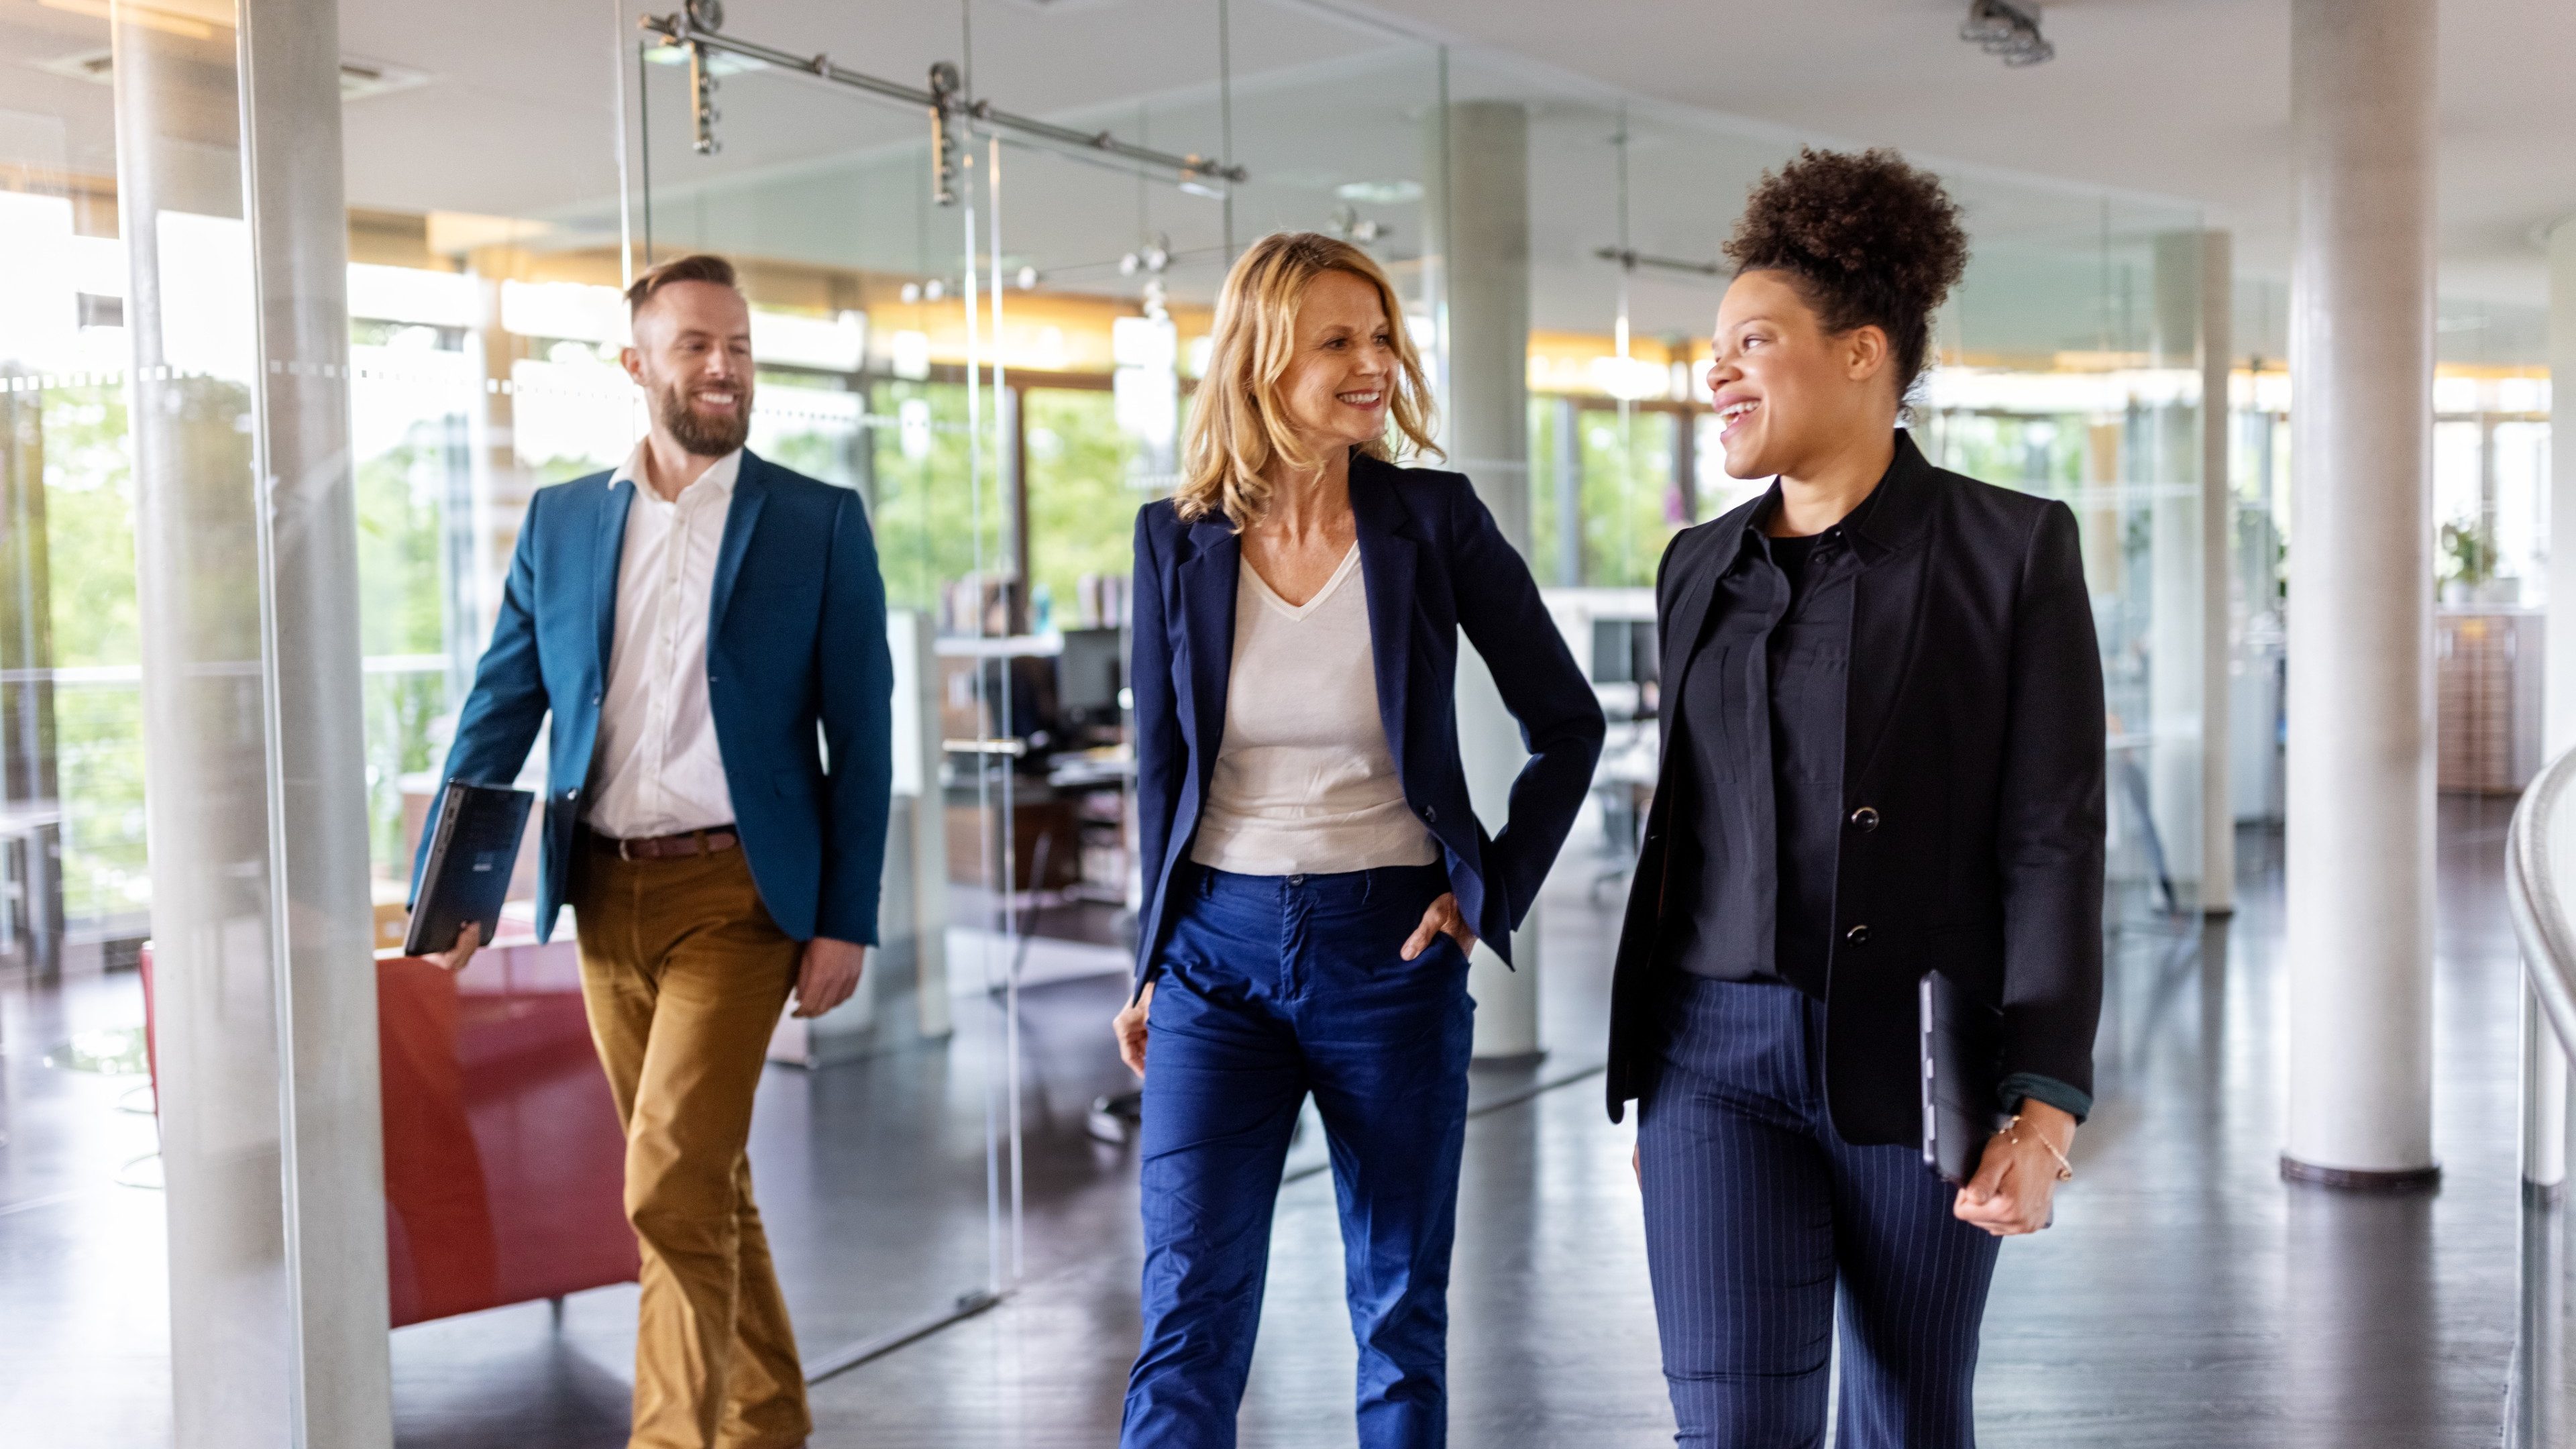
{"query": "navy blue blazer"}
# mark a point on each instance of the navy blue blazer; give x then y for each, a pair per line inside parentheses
(796, 641)
(1433, 564)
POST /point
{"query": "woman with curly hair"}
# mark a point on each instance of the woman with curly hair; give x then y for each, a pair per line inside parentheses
(1314, 874)
(1883, 757)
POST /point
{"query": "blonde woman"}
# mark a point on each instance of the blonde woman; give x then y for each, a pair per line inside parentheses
(1314, 875)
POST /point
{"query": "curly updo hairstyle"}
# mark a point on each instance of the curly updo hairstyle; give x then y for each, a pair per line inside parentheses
(1865, 238)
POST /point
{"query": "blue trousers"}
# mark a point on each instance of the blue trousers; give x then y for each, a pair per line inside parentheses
(1273, 987)
(1759, 1214)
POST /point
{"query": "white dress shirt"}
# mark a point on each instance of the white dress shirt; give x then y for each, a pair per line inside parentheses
(1304, 782)
(656, 770)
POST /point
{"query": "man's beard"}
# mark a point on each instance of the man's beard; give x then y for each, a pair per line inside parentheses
(706, 437)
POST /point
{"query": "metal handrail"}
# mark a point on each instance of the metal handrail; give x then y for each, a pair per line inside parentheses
(2536, 1393)
(2541, 923)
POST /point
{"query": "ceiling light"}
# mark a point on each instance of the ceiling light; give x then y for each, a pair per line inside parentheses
(1379, 193)
(2003, 29)
(359, 79)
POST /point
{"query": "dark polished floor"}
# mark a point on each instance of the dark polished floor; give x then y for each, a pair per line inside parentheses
(2186, 1297)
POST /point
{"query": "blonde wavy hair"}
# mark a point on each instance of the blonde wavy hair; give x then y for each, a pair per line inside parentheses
(1235, 427)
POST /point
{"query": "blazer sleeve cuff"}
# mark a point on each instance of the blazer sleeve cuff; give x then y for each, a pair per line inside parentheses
(2031, 1086)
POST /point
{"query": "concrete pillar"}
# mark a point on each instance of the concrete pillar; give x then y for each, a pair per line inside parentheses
(1480, 226)
(271, 1129)
(2361, 820)
(2217, 572)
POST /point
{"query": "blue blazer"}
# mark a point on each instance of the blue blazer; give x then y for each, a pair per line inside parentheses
(1433, 564)
(796, 640)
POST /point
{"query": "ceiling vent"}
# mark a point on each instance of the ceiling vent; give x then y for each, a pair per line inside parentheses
(2007, 31)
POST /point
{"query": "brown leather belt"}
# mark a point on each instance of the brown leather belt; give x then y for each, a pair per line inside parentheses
(711, 841)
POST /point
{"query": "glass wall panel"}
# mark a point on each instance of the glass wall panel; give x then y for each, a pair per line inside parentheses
(83, 1262)
(2069, 367)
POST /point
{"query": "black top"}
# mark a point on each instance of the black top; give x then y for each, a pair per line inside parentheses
(1971, 806)
(1759, 738)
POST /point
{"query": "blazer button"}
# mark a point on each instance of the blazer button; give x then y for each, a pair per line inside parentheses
(572, 794)
(1857, 935)
(1430, 814)
(1864, 819)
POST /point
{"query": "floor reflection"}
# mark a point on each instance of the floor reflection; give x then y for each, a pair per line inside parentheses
(2187, 1297)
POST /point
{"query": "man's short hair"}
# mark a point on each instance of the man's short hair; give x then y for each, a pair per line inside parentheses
(696, 267)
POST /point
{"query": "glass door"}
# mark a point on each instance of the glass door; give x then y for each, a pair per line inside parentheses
(885, 1144)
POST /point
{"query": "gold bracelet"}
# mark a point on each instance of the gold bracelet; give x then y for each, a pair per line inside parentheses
(2012, 1134)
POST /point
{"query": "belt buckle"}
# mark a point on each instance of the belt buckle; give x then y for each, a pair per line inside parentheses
(625, 850)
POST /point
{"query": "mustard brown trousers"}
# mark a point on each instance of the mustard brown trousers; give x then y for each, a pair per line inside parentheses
(683, 975)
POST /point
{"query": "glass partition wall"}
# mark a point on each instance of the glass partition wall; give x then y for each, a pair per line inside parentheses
(1019, 320)
(1002, 373)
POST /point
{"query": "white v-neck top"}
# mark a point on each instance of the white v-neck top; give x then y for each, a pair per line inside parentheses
(1304, 783)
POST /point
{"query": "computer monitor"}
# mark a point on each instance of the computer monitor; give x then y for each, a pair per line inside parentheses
(1086, 674)
(1623, 652)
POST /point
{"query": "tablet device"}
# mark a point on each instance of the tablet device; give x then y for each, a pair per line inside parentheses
(470, 859)
(1962, 1037)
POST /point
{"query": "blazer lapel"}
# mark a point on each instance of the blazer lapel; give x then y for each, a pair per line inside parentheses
(1887, 604)
(750, 491)
(609, 551)
(1208, 578)
(1387, 564)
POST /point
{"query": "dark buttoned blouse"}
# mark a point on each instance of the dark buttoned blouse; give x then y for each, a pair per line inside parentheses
(1758, 736)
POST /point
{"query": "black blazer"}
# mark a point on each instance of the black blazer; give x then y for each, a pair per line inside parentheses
(1433, 564)
(1972, 793)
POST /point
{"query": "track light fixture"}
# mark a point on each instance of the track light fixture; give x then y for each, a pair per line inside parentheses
(2004, 29)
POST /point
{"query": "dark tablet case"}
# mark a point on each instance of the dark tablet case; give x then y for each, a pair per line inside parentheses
(470, 860)
(1962, 1039)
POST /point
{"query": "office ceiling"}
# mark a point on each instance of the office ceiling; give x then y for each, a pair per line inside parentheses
(2156, 114)
(2181, 98)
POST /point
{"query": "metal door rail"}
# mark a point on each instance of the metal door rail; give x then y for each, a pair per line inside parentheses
(944, 98)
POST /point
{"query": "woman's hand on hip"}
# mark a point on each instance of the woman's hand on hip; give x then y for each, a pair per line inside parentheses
(1130, 1027)
(2017, 1179)
(1442, 919)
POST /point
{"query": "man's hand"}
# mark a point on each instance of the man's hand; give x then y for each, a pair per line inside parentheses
(2016, 1181)
(829, 974)
(1129, 1025)
(455, 957)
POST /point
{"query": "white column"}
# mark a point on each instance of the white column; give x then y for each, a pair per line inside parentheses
(2558, 731)
(1483, 151)
(2361, 819)
(272, 1135)
(2217, 573)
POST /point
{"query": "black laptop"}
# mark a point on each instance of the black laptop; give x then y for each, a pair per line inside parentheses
(1962, 1076)
(470, 859)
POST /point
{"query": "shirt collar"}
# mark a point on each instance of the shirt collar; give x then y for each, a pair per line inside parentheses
(1852, 526)
(720, 475)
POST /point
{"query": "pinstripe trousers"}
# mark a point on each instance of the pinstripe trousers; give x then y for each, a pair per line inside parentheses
(1759, 1216)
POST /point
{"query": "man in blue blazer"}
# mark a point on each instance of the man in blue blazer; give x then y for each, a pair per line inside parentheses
(693, 622)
